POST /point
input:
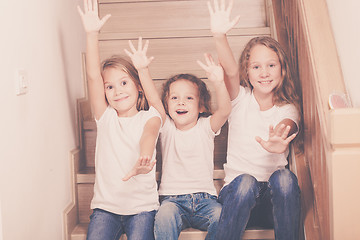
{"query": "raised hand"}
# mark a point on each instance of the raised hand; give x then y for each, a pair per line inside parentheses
(278, 140)
(220, 22)
(214, 72)
(142, 166)
(138, 57)
(90, 18)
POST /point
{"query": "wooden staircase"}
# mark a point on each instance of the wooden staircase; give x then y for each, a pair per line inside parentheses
(179, 35)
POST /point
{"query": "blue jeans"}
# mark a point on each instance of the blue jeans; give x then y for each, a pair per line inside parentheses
(197, 210)
(109, 226)
(245, 196)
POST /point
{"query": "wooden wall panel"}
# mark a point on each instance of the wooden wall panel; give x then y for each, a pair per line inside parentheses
(85, 194)
(140, 16)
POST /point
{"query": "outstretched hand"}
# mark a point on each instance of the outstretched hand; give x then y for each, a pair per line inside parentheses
(278, 140)
(142, 166)
(138, 57)
(220, 22)
(90, 18)
(214, 72)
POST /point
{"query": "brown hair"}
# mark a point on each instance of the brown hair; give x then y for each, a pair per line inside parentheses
(204, 95)
(285, 92)
(123, 64)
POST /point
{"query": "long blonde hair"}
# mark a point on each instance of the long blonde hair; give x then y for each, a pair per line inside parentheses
(123, 64)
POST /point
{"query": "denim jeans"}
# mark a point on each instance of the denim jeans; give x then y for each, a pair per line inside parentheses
(197, 210)
(109, 226)
(245, 196)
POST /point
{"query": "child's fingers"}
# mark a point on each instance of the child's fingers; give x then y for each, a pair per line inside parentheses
(211, 10)
(128, 176)
(208, 59)
(85, 6)
(216, 5)
(280, 130)
(146, 45)
(95, 5)
(271, 130)
(203, 66)
(104, 19)
(152, 164)
(290, 138)
(140, 43)
(235, 21)
(151, 59)
(261, 141)
(128, 53)
(146, 160)
(229, 8)
(81, 13)
(132, 46)
(211, 59)
(285, 132)
(89, 5)
(222, 5)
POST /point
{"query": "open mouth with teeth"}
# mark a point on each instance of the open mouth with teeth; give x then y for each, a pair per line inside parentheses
(181, 112)
(265, 82)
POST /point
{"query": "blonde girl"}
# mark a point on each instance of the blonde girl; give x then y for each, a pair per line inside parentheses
(263, 121)
(125, 191)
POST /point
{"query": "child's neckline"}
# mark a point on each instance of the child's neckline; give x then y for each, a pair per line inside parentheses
(259, 107)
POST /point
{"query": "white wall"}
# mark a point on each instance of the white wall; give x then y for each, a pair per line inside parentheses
(37, 130)
(345, 20)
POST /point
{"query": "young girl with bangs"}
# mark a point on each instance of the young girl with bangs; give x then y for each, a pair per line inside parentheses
(263, 121)
(125, 191)
(187, 192)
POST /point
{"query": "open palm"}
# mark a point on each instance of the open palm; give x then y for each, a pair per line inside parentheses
(142, 166)
(138, 56)
(220, 22)
(214, 72)
(90, 18)
(278, 140)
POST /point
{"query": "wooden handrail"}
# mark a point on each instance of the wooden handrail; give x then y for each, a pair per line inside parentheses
(304, 29)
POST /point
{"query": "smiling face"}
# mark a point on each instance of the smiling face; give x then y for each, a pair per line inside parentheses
(183, 104)
(264, 70)
(121, 92)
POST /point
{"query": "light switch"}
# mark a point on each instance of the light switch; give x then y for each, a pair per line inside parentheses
(21, 82)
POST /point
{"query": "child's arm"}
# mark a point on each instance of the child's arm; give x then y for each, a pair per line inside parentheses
(220, 24)
(147, 147)
(92, 25)
(280, 137)
(215, 74)
(141, 63)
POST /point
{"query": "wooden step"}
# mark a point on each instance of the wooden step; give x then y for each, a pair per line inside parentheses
(80, 230)
(87, 175)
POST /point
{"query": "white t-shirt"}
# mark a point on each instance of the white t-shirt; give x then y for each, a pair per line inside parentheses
(187, 158)
(245, 154)
(117, 150)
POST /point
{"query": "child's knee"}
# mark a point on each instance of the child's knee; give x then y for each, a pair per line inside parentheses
(166, 212)
(284, 181)
(244, 185)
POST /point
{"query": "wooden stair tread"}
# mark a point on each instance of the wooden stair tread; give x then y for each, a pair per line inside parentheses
(79, 233)
(87, 175)
(192, 33)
